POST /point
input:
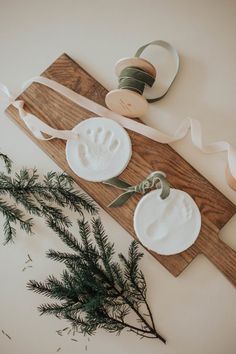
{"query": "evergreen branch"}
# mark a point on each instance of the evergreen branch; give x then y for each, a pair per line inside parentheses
(15, 216)
(65, 235)
(9, 230)
(132, 328)
(106, 249)
(51, 309)
(40, 288)
(95, 291)
(53, 213)
(47, 199)
(61, 188)
(61, 257)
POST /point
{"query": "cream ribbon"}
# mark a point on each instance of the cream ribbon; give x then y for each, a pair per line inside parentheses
(34, 124)
(39, 129)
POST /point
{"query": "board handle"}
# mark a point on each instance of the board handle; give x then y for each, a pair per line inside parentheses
(218, 252)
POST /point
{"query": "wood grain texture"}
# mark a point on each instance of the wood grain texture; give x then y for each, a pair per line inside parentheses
(61, 113)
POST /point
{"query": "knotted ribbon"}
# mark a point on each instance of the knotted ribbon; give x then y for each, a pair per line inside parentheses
(156, 179)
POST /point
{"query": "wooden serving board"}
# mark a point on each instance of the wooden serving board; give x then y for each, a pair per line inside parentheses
(61, 113)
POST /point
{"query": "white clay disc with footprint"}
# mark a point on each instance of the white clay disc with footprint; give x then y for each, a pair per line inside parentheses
(167, 226)
(102, 151)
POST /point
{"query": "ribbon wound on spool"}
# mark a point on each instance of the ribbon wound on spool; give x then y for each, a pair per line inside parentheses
(135, 79)
(134, 74)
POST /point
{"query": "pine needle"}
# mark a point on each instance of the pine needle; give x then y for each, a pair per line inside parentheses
(29, 259)
(7, 161)
(6, 334)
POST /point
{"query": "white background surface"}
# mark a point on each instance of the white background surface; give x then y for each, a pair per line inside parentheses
(196, 312)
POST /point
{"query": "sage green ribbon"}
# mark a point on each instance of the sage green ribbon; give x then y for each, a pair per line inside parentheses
(156, 179)
(135, 79)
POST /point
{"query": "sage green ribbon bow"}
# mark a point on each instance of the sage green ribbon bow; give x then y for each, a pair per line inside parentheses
(156, 179)
(135, 79)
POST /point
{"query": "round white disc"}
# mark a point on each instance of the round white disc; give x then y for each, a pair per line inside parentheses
(102, 151)
(167, 226)
(127, 103)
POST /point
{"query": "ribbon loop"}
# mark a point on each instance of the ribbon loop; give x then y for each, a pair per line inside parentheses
(173, 52)
(38, 128)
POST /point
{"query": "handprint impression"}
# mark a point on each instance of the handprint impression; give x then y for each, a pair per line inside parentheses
(172, 217)
(98, 147)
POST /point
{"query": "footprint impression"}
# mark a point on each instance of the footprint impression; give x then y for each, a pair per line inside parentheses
(98, 148)
(172, 216)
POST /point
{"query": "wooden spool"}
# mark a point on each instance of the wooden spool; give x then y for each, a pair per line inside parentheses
(140, 63)
(127, 102)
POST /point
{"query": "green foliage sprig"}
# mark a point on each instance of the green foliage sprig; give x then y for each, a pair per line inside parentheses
(25, 194)
(94, 290)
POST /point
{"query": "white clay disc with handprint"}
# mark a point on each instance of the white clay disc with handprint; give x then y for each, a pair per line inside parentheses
(102, 151)
(167, 226)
